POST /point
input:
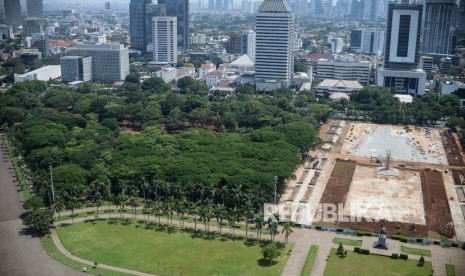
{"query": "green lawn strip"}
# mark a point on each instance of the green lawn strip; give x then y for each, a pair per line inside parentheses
(373, 265)
(307, 269)
(415, 251)
(54, 253)
(347, 242)
(450, 270)
(147, 248)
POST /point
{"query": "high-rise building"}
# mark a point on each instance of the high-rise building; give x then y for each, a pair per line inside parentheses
(138, 24)
(32, 25)
(110, 62)
(374, 10)
(400, 71)
(151, 11)
(165, 46)
(35, 8)
(439, 25)
(367, 41)
(13, 12)
(344, 68)
(218, 5)
(180, 10)
(357, 10)
(76, 68)
(248, 43)
(274, 55)
(461, 17)
(234, 44)
(107, 6)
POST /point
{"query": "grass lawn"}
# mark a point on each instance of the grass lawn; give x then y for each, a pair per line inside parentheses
(347, 242)
(145, 247)
(309, 261)
(415, 251)
(52, 251)
(373, 265)
(450, 270)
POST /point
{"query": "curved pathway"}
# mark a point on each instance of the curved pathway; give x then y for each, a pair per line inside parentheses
(21, 254)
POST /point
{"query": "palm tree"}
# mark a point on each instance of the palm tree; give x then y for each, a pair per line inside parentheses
(208, 213)
(98, 201)
(194, 209)
(134, 203)
(58, 206)
(237, 195)
(181, 206)
(272, 228)
(147, 207)
(220, 212)
(71, 204)
(259, 222)
(248, 212)
(120, 200)
(224, 191)
(171, 205)
(231, 217)
(287, 230)
(157, 209)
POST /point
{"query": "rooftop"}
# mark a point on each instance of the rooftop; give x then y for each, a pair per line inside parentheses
(243, 60)
(274, 6)
(341, 84)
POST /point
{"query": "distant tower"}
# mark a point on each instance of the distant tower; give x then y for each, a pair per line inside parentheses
(273, 52)
(374, 10)
(165, 47)
(440, 19)
(180, 10)
(35, 8)
(13, 12)
(107, 6)
(137, 22)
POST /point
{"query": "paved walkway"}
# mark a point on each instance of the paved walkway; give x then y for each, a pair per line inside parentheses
(21, 254)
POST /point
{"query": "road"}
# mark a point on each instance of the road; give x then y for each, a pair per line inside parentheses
(21, 255)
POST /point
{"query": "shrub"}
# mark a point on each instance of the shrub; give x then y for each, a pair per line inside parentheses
(360, 234)
(395, 256)
(357, 249)
(364, 251)
(403, 256)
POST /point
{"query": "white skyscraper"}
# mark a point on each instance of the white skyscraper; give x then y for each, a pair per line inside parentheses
(273, 54)
(165, 42)
(251, 41)
(400, 71)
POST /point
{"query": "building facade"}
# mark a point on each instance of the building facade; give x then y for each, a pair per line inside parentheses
(400, 72)
(35, 8)
(13, 12)
(180, 10)
(439, 25)
(110, 62)
(32, 25)
(248, 43)
(367, 41)
(165, 46)
(342, 69)
(137, 24)
(76, 68)
(273, 53)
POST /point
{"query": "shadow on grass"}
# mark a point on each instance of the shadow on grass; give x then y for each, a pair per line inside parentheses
(266, 263)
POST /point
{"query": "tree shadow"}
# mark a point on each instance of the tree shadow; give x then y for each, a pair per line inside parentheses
(126, 221)
(266, 263)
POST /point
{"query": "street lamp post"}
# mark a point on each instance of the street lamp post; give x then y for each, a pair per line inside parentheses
(51, 181)
(275, 185)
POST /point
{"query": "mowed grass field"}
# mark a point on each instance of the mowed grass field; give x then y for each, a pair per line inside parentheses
(373, 265)
(138, 247)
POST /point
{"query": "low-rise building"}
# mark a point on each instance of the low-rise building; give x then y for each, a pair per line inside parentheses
(330, 86)
(76, 68)
(213, 78)
(168, 74)
(206, 68)
(46, 73)
(246, 78)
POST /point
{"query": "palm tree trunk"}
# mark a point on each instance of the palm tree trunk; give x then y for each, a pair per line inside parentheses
(195, 222)
(246, 229)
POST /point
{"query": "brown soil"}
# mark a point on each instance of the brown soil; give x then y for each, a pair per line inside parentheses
(438, 216)
(452, 148)
(339, 183)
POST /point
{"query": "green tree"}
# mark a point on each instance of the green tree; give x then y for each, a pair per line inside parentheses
(421, 261)
(340, 250)
(287, 230)
(39, 220)
(270, 252)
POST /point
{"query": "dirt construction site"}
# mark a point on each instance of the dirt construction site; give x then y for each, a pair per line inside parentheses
(364, 176)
